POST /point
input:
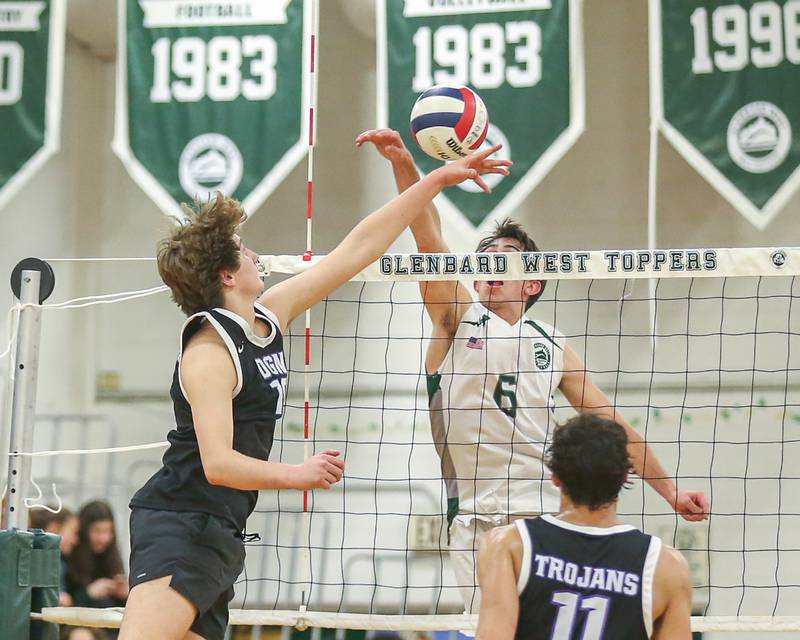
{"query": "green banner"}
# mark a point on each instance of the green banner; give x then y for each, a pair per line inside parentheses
(727, 95)
(211, 96)
(523, 57)
(31, 72)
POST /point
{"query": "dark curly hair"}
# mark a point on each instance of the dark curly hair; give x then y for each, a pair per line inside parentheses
(589, 455)
(507, 228)
(196, 251)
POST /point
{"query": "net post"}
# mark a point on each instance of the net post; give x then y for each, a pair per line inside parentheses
(23, 400)
(31, 286)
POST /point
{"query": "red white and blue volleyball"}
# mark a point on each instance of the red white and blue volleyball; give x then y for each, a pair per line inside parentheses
(449, 123)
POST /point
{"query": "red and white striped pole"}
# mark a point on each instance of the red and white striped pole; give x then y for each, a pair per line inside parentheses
(311, 14)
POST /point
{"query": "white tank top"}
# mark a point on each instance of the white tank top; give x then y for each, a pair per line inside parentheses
(492, 414)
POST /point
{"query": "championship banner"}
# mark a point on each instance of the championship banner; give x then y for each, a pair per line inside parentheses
(725, 91)
(211, 96)
(525, 60)
(31, 74)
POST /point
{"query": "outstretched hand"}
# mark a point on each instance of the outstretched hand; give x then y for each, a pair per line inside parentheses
(472, 167)
(388, 143)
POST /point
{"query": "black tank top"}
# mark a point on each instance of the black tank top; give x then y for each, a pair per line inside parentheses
(180, 484)
(585, 583)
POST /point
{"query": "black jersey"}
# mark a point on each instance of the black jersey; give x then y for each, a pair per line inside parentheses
(585, 583)
(180, 484)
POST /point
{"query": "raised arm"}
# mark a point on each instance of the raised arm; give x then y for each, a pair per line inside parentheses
(427, 228)
(446, 302)
(372, 237)
(581, 392)
(209, 379)
(498, 567)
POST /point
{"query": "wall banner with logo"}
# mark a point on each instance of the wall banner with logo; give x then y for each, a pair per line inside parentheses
(31, 75)
(211, 96)
(725, 91)
(523, 57)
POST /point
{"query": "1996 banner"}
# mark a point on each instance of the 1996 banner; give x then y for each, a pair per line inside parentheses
(727, 95)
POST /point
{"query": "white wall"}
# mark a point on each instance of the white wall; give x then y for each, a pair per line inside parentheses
(83, 204)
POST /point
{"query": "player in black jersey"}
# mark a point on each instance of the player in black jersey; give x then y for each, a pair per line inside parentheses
(227, 391)
(583, 575)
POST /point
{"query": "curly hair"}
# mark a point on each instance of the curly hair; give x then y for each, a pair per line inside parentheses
(507, 228)
(589, 455)
(196, 251)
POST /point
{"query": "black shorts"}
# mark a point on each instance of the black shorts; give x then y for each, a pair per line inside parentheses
(203, 553)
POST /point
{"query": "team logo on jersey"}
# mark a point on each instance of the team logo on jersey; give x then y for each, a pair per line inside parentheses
(210, 162)
(759, 137)
(541, 355)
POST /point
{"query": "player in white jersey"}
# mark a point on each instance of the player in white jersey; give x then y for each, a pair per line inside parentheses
(492, 375)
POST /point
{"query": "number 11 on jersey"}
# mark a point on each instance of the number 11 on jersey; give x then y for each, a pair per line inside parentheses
(568, 603)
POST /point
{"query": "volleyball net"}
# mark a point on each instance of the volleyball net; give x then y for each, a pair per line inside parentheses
(698, 349)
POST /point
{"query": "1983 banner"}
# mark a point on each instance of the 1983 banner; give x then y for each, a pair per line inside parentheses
(727, 95)
(211, 96)
(523, 57)
(31, 72)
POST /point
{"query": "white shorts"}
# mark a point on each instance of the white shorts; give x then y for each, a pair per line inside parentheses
(465, 537)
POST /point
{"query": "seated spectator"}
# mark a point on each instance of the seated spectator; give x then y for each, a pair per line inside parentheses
(95, 576)
(65, 524)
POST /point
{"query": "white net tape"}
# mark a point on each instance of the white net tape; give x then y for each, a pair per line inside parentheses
(112, 618)
(565, 265)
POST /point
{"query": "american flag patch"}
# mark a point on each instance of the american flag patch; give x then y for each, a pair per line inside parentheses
(475, 343)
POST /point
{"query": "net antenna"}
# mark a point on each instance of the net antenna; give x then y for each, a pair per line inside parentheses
(311, 18)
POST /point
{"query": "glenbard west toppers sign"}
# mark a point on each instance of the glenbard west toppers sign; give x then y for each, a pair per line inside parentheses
(31, 72)
(726, 94)
(211, 97)
(523, 57)
(565, 265)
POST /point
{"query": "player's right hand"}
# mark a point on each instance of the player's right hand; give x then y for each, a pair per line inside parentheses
(320, 471)
(388, 143)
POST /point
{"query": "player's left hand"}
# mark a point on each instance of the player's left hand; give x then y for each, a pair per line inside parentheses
(691, 505)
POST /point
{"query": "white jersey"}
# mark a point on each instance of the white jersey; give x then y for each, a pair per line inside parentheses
(491, 410)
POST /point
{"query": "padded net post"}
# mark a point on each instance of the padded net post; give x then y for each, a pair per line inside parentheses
(29, 581)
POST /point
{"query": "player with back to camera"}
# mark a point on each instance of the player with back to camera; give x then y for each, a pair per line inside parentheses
(583, 574)
(227, 391)
(492, 375)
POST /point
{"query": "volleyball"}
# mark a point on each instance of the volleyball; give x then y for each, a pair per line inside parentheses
(449, 123)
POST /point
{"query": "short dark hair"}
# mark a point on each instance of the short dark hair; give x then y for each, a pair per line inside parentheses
(507, 228)
(43, 518)
(589, 455)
